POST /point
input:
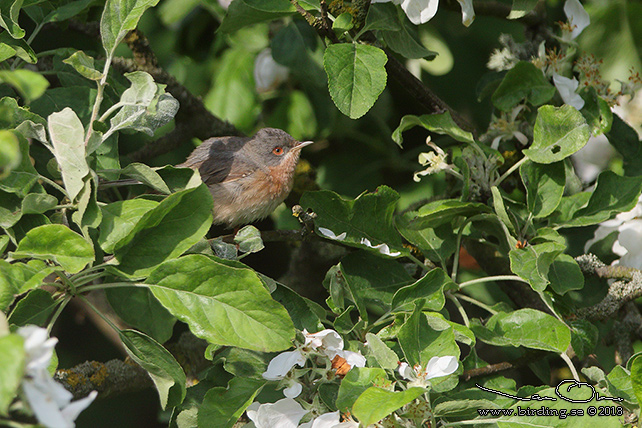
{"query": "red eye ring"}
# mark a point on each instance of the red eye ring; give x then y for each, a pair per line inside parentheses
(278, 150)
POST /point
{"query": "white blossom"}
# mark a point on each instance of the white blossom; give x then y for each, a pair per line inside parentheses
(331, 235)
(436, 161)
(567, 87)
(293, 390)
(329, 420)
(354, 359)
(628, 244)
(328, 339)
(280, 365)
(49, 400)
(577, 17)
(422, 11)
(285, 413)
(382, 248)
(593, 158)
(436, 367)
(268, 74)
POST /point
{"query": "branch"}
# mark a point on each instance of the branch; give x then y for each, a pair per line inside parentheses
(110, 378)
(492, 369)
(627, 287)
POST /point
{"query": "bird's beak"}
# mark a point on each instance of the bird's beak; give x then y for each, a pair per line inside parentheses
(302, 144)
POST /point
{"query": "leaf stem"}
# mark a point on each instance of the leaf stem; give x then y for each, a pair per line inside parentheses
(476, 303)
(56, 314)
(509, 171)
(112, 285)
(54, 185)
(491, 279)
(460, 308)
(570, 365)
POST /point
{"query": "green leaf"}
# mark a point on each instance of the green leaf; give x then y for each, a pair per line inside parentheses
(533, 263)
(165, 232)
(233, 94)
(69, 10)
(222, 303)
(305, 313)
(343, 23)
(559, 132)
(58, 243)
(10, 155)
(167, 374)
(84, 65)
(88, 214)
(249, 239)
(67, 138)
(23, 176)
(382, 16)
(138, 307)
(12, 363)
(524, 81)
(369, 216)
(356, 76)
(16, 278)
(405, 41)
(17, 47)
(544, 186)
(29, 84)
(436, 213)
(292, 47)
(12, 115)
(145, 106)
(356, 382)
(636, 376)
(430, 287)
(420, 342)
(584, 337)
(119, 219)
(626, 141)
(437, 244)
(613, 194)
(222, 407)
(565, 275)
(441, 123)
(525, 327)
(9, 210)
(385, 357)
(241, 14)
(35, 308)
(596, 111)
(9, 13)
(38, 203)
(377, 403)
(119, 17)
(521, 8)
(371, 282)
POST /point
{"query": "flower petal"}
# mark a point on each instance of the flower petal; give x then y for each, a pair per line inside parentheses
(567, 87)
(280, 365)
(577, 17)
(285, 413)
(268, 74)
(354, 359)
(293, 390)
(420, 11)
(441, 366)
(467, 12)
(328, 339)
(331, 235)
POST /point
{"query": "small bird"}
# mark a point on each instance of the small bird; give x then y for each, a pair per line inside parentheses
(247, 176)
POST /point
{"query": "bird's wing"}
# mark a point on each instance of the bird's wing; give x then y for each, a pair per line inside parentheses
(219, 160)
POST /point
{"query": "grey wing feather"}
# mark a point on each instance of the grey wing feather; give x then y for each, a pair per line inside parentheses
(216, 158)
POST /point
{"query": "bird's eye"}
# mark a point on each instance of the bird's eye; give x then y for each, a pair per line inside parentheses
(278, 150)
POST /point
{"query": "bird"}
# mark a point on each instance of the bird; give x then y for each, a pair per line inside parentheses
(248, 177)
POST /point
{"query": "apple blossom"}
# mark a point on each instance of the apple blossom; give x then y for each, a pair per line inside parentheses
(567, 87)
(436, 367)
(49, 400)
(280, 365)
(285, 413)
(329, 420)
(577, 17)
(268, 74)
